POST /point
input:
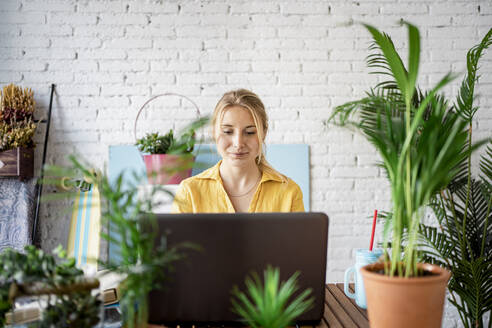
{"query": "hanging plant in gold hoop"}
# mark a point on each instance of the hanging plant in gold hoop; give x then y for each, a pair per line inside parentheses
(17, 129)
(169, 157)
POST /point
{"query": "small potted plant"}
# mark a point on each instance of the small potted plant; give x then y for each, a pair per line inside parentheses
(169, 158)
(268, 306)
(17, 129)
(422, 142)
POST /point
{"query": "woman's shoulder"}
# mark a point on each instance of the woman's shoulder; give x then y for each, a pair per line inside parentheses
(285, 183)
(292, 185)
(291, 182)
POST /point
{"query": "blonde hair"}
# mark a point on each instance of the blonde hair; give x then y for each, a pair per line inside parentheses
(252, 103)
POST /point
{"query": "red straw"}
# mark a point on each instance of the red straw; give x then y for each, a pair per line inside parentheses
(373, 229)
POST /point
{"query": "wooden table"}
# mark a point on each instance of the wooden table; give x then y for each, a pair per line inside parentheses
(340, 311)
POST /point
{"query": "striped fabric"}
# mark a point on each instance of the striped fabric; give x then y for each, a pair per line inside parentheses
(85, 226)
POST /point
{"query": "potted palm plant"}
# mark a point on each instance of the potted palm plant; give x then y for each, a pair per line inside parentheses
(462, 241)
(169, 158)
(17, 129)
(421, 141)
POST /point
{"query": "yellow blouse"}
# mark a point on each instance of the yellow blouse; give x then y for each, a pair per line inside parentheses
(205, 193)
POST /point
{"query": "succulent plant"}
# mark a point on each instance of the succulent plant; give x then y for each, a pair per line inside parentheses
(155, 143)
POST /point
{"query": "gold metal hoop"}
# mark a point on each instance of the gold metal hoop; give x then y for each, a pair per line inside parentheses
(158, 96)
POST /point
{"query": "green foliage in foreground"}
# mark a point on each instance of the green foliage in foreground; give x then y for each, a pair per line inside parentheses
(79, 309)
(145, 261)
(267, 306)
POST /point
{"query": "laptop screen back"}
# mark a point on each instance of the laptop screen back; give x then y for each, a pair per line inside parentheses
(234, 245)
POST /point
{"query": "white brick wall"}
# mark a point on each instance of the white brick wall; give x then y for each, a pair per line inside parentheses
(303, 58)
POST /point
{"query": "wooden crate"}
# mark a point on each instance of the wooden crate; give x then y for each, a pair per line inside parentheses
(18, 162)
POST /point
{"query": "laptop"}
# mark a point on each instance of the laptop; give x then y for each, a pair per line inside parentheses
(198, 291)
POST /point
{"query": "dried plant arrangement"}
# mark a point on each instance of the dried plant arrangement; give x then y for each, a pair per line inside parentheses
(17, 125)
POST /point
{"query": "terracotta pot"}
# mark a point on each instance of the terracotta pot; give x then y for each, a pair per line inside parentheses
(165, 168)
(405, 302)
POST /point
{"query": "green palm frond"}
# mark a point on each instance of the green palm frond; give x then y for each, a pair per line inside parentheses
(379, 63)
(461, 178)
(478, 216)
(473, 285)
(441, 247)
(486, 169)
(464, 246)
(392, 61)
(438, 150)
(464, 102)
(486, 189)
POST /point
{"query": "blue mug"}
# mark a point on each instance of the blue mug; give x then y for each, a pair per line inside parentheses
(363, 256)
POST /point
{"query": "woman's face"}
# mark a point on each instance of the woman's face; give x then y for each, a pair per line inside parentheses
(236, 137)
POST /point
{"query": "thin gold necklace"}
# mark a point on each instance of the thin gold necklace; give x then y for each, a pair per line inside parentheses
(251, 189)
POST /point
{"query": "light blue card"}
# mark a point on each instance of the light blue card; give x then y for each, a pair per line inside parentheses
(290, 160)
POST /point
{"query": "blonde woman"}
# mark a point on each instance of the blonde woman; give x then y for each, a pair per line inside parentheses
(242, 181)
